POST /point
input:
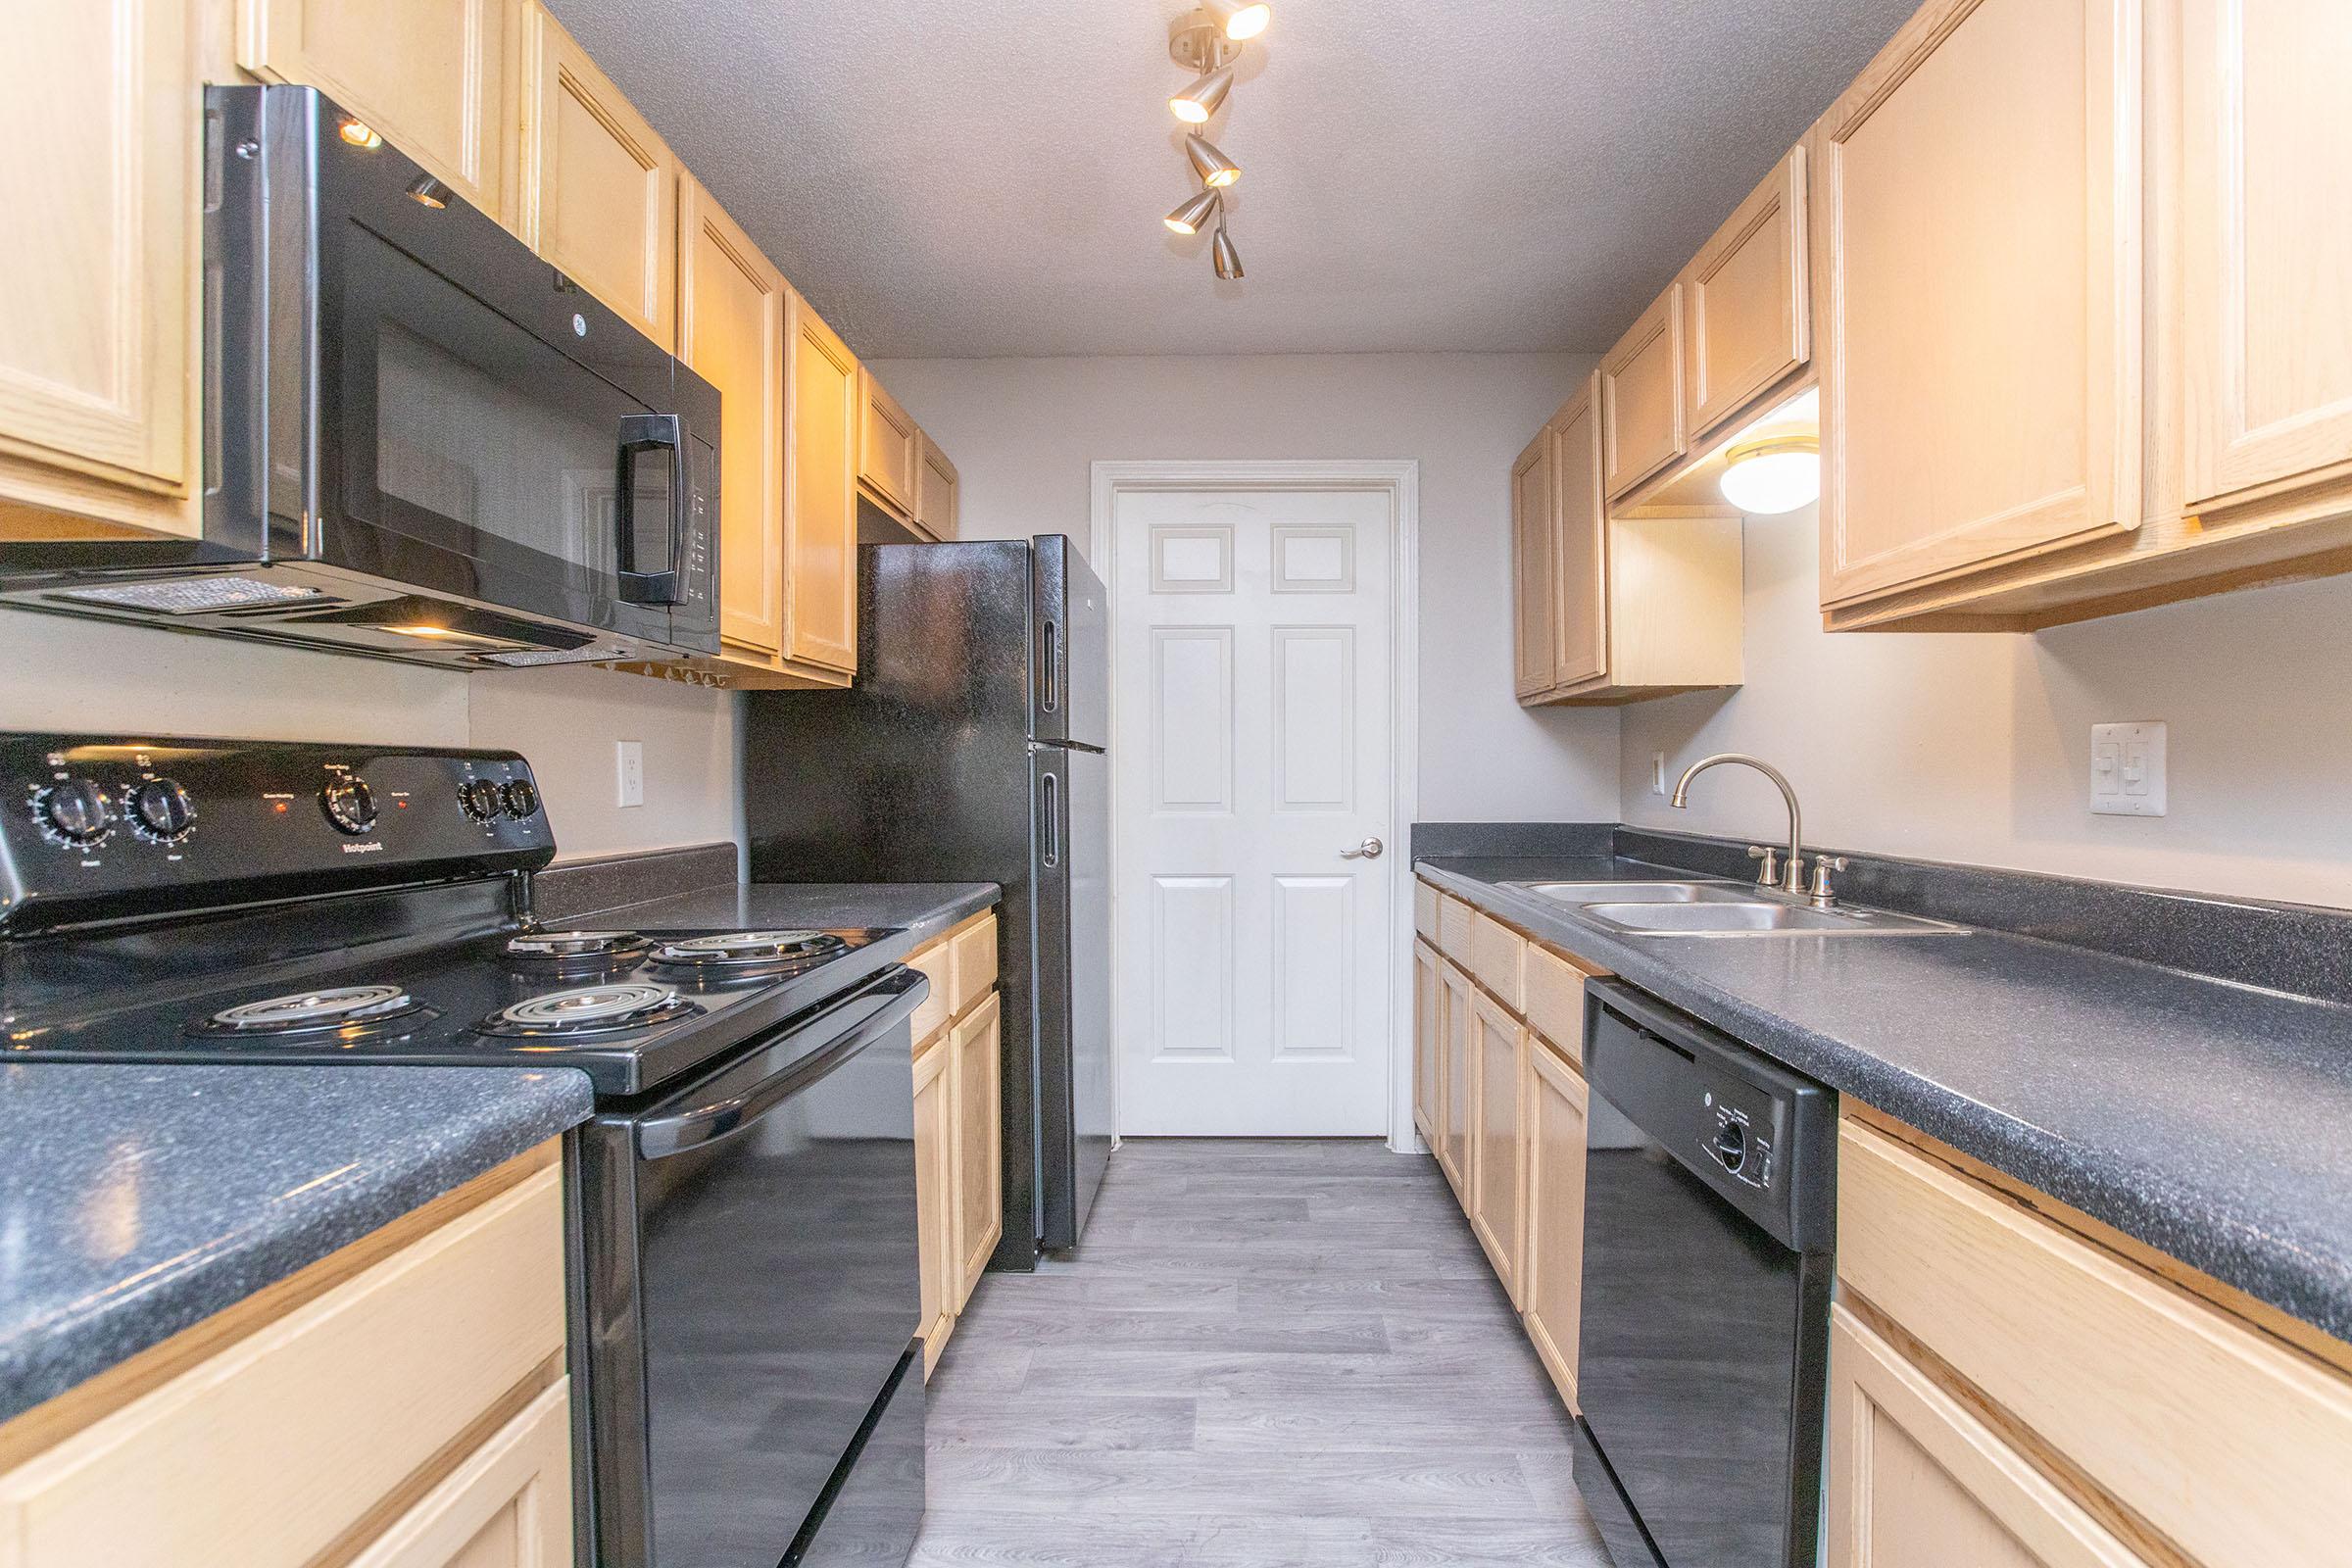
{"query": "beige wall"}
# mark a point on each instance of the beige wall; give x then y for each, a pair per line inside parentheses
(1025, 433)
(85, 676)
(1977, 748)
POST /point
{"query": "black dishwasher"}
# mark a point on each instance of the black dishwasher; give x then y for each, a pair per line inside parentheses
(1708, 1212)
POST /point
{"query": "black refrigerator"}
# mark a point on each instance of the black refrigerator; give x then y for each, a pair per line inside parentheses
(973, 749)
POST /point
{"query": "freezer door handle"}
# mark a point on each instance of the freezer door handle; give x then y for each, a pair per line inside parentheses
(1050, 671)
(1049, 805)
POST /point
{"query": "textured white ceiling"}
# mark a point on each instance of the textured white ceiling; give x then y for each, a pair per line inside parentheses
(977, 178)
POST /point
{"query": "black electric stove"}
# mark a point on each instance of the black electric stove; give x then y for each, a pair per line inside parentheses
(744, 1285)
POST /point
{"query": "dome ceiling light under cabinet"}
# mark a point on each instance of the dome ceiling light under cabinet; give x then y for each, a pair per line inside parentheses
(1764, 478)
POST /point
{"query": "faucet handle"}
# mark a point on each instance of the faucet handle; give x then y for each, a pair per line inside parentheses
(1769, 873)
(1823, 864)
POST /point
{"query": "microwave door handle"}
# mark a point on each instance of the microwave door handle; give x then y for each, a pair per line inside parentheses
(641, 433)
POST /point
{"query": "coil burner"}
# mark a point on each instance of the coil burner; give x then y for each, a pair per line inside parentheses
(735, 952)
(304, 1013)
(589, 1010)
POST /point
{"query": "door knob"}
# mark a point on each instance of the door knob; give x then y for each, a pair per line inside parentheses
(1369, 850)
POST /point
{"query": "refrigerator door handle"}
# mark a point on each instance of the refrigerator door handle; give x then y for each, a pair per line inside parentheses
(1049, 676)
(1048, 789)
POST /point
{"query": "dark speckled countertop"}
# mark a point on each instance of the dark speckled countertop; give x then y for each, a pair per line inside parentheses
(922, 909)
(2210, 1119)
(135, 1202)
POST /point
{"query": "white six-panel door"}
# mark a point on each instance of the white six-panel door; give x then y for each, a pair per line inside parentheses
(1251, 748)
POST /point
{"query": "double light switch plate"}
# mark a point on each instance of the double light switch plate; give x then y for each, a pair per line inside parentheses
(2127, 769)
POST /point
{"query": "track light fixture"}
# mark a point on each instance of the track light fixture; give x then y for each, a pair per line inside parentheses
(1203, 98)
(1214, 168)
(1208, 41)
(1188, 219)
(1228, 261)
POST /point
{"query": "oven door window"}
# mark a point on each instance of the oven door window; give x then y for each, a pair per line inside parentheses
(1687, 1360)
(471, 456)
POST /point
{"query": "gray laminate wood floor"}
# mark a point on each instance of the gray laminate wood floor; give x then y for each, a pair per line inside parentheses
(1265, 1352)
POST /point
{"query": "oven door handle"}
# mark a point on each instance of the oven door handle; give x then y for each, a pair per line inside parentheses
(881, 1008)
(641, 433)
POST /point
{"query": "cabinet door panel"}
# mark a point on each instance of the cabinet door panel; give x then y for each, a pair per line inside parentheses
(1915, 1481)
(1980, 329)
(979, 1145)
(886, 447)
(431, 75)
(1642, 397)
(1460, 1087)
(1428, 1067)
(599, 188)
(2266, 223)
(101, 102)
(820, 520)
(1581, 553)
(1497, 1210)
(937, 500)
(934, 1192)
(1746, 294)
(1533, 527)
(1551, 1287)
(731, 333)
(506, 1505)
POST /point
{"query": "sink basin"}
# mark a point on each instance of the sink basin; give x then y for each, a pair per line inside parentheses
(1632, 891)
(1748, 917)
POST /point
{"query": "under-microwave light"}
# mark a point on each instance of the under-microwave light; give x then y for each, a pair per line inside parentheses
(446, 634)
(1764, 478)
(426, 191)
(359, 133)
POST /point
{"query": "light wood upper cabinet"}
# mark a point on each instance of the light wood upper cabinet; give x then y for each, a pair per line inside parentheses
(822, 403)
(1429, 1067)
(599, 189)
(1747, 297)
(1915, 1481)
(937, 490)
(1579, 596)
(436, 76)
(1978, 190)
(103, 106)
(1497, 1209)
(979, 1047)
(731, 332)
(886, 447)
(1552, 1284)
(2266, 232)
(1642, 397)
(1534, 585)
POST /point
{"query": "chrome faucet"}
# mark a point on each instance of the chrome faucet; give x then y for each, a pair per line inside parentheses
(1788, 878)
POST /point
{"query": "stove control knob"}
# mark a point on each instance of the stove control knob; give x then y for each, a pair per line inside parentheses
(160, 810)
(73, 810)
(478, 799)
(1731, 1145)
(350, 805)
(521, 799)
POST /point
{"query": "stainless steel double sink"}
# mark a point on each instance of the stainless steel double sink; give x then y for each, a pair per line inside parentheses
(1703, 907)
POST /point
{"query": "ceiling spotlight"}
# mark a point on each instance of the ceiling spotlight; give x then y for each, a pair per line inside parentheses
(1214, 166)
(426, 191)
(1774, 475)
(1188, 219)
(1228, 260)
(1240, 19)
(1198, 102)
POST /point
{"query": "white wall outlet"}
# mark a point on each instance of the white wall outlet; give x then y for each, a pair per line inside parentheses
(2127, 769)
(1657, 773)
(628, 761)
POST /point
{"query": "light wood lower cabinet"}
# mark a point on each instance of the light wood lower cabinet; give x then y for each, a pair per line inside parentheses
(958, 1123)
(1499, 1045)
(97, 344)
(399, 1403)
(1915, 1481)
(599, 188)
(1429, 1066)
(1457, 1094)
(1551, 1278)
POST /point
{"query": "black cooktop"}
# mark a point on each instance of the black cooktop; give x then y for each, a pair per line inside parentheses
(633, 1009)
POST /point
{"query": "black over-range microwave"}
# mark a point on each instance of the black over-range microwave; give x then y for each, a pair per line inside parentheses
(421, 441)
